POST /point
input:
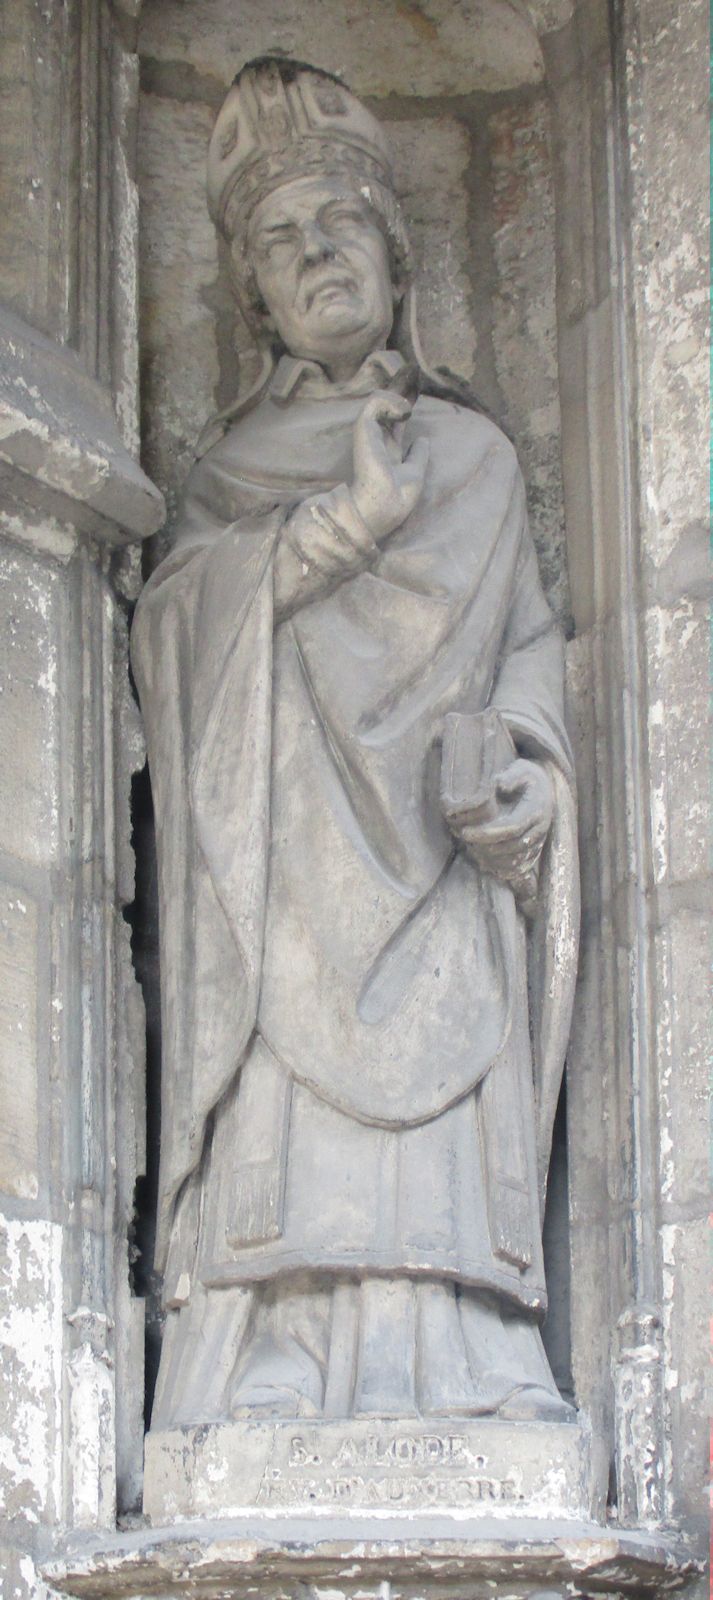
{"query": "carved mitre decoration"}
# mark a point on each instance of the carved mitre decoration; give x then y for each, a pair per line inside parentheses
(282, 120)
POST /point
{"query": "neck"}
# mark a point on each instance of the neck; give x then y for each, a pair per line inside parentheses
(341, 364)
(345, 364)
(342, 371)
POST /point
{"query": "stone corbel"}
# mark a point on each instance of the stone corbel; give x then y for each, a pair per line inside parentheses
(398, 1561)
(61, 455)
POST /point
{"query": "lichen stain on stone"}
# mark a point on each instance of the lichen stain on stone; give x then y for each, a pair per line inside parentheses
(425, 27)
(47, 535)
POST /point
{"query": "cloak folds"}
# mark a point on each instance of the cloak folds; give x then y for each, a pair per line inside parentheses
(411, 961)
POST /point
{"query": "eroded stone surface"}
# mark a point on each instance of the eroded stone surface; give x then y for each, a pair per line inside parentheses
(524, 321)
(59, 442)
(180, 321)
(30, 623)
(669, 192)
(428, 49)
(677, 645)
(528, 1561)
(432, 167)
(30, 1351)
(21, 994)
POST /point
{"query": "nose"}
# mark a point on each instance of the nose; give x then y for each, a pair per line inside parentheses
(316, 245)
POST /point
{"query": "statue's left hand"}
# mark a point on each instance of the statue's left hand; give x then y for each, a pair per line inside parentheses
(508, 844)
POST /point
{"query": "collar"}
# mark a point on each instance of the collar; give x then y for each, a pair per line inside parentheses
(294, 376)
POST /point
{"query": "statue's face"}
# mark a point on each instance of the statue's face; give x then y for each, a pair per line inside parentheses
(322, 268)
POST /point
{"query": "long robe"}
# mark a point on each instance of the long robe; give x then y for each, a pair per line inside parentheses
(356, 1076)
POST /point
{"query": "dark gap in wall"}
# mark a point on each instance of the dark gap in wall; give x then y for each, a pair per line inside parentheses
(142, 917)
(556, 1333)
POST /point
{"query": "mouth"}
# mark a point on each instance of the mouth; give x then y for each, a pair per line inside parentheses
(328, 287)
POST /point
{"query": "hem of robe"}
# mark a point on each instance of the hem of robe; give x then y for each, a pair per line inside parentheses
(258, 1266)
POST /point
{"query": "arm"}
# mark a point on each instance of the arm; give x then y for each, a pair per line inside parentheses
(527, 693)
(323, 541)
(332, 536)
(510, 843)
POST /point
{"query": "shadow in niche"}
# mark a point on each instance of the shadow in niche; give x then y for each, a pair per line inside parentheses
(556, 1333)
(143, 919)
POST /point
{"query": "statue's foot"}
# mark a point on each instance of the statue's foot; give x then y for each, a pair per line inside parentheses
(531, 1403)
(278, 1380)
(271, 1401)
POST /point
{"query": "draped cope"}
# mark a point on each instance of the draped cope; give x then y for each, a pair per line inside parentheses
(310, 891)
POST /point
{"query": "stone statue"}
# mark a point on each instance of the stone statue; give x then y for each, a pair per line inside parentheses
(352, 687)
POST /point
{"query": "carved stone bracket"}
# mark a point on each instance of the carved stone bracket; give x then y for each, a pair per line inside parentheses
(440, 1560)
(60, 448)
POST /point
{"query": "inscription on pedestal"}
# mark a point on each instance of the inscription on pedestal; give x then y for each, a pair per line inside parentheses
(385, 1468)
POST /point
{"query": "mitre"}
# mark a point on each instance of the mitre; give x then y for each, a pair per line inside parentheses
(281, 120)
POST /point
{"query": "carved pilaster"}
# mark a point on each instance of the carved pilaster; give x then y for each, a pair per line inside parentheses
(638, 1399)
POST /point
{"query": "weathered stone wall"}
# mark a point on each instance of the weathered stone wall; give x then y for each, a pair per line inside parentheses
(665, 95)
(63, 947)
(631, 190)
(71, 1045)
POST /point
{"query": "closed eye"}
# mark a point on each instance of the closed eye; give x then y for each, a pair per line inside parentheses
(282, 234)
(344, 214)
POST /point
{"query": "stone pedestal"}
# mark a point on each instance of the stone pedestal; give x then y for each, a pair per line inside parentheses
(372, 1510)
(471, 1468)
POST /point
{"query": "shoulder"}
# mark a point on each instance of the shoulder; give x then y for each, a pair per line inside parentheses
(463, 435)
(211, 479)
(240, 440)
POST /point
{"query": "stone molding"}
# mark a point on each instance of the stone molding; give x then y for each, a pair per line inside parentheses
(60, 446)
(438, 1560)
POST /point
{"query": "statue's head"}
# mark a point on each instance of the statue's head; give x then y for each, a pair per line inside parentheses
(300, 184)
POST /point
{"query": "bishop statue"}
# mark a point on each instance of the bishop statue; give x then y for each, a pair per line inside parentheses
(352, 688)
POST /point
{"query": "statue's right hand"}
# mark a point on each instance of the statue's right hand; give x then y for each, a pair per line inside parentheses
(386, 484)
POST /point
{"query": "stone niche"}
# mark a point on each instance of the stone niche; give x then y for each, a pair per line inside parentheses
(520, 132)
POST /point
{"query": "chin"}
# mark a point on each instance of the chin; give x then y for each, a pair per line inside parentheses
(340, 316)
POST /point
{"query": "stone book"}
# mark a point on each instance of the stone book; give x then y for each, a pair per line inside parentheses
(477, 747)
